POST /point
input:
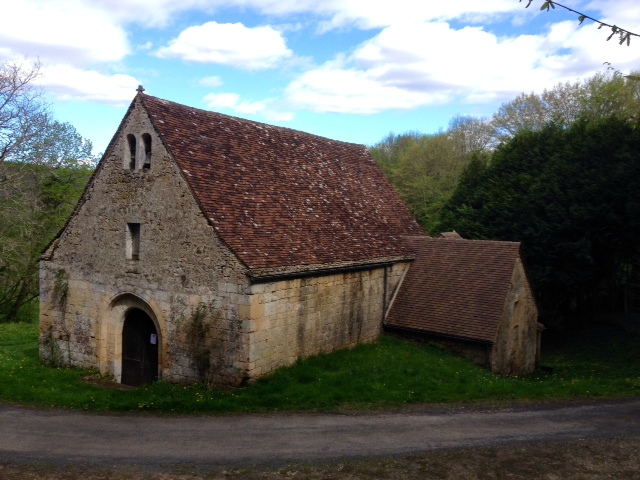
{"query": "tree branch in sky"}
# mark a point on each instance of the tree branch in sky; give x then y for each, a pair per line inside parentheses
(623, 35)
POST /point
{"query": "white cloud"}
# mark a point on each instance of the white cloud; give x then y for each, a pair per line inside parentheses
(585, 49)
(69, 83)
(403, 67)
(618, 11)
(149, 13)
(145, 46)
(213, 81)
(337, 13)
(230, 44)
(416, 59)
(352, 91)
(159, 13)
(73, 39)
(416, 64)
(347, 13)
(222, 100)
(374, 14)
(57, 31)
(232, 102)
(278, 117)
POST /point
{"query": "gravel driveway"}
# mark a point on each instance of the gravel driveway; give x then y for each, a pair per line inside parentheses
(160, 442)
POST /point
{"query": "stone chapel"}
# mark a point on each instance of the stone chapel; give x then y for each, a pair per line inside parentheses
(211, 248)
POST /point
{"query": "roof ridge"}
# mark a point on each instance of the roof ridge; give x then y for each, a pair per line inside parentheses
(245, 120)
(486, 241)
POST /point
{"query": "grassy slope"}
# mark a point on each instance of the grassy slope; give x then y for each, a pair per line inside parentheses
(389, 373)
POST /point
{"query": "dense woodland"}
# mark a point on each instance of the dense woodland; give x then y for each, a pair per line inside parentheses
(558, 171)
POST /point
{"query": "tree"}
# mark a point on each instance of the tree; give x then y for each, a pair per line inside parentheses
(426, 175)
(604, 94)
(470, 135)
(35, 201)
(22, 110)
(388, 151)
(572, 196)
(424, 169)
(44, 166)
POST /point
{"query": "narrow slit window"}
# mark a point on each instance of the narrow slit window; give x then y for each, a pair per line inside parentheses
(131, 140)
(146, 140)
(133, 241)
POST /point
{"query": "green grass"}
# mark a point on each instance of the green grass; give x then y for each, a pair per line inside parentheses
(387, 374)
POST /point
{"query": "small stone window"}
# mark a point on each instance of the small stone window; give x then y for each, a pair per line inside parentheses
(146, 140)
(131, 141)
(133, 241)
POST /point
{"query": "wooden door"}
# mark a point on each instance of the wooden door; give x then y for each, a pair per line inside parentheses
(139, 349)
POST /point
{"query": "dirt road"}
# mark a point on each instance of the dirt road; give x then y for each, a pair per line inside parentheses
(156, 442)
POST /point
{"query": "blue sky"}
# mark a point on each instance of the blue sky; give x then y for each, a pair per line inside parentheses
(352, 70)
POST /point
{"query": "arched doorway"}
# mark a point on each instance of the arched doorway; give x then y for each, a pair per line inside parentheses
(139, 349)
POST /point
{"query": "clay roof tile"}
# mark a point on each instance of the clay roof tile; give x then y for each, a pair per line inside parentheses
(455, 288)
(280, 197)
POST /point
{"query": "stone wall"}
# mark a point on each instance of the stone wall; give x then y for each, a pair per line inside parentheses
(300, 317)
(516, 349)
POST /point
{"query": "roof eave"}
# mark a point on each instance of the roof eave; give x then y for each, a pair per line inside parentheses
(263, 275)
(444, 336)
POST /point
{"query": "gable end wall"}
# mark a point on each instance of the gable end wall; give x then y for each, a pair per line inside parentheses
(515, 351)
(87, 282)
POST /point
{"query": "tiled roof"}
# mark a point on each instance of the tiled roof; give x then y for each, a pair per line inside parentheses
(455, 288)
(283, 198)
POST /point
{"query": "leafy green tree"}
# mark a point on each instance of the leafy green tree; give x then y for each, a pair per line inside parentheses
(572, 196)
(424, 169)
(44, 166)
(604, 94)
(388, 151)
(425, 176)
(35, 202)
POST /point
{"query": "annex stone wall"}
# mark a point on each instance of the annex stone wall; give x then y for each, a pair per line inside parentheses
(517, 345)
(296, 318)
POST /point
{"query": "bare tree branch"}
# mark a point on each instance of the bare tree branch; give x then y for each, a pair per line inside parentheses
(23, 112)
(624, 36)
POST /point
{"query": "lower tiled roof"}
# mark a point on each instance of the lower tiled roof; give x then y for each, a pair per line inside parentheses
(279, 197)
(455, 288)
